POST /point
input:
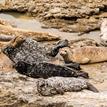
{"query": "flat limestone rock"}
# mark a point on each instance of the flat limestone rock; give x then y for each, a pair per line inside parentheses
(71, 16)
(38, 36)
(59, 85)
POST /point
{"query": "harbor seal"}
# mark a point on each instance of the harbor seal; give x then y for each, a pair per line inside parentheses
(46, 70)
(30, 57)
(81, 42)
(59, 85)
(83, 55)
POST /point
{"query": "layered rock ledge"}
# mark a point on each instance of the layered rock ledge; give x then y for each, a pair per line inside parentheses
(71, 16)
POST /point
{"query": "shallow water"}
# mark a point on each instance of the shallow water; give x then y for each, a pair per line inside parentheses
(2, 1)
(25, 22)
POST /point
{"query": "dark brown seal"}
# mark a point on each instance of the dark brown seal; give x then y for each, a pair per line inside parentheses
(46, 70)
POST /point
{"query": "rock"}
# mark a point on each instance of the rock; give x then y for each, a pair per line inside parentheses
(11, 91)
(62, 14)
(103, 33)
(38, 36)
(5, 38)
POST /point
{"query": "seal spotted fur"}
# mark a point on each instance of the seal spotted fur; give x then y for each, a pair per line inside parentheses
(30, 57)
(83, 55)
(59, 85)
(46, 70)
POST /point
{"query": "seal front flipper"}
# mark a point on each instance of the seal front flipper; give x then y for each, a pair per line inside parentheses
(73, 65)
(85, 60)
(83, 74)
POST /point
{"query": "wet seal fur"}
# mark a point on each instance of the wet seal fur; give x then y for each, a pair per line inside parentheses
(59, 85)
(46, 70)
(26, 49)
(30, 57)
(84, 55)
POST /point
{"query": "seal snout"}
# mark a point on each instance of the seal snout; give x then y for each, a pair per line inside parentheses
(66, 53)
(63, 52)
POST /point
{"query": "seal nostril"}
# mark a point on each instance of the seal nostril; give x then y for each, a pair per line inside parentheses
(65, 51)
(100, 35)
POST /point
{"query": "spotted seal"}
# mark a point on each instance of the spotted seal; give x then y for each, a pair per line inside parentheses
(31, 59)
(83, 55)
(46, 70)
(59, 85)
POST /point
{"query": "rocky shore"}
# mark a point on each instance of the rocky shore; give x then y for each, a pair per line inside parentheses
(80, 16)
(71, 16)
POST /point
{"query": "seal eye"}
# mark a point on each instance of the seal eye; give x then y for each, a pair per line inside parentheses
(8, 50)
(66, 51)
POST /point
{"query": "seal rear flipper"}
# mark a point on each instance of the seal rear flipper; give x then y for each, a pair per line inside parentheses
(92, 88)
(83, 74)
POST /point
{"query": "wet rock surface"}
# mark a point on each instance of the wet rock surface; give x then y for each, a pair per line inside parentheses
(71, 16)
(7, 29)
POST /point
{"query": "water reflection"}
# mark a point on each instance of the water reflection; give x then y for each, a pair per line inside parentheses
(2, 1)
(26, 22)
